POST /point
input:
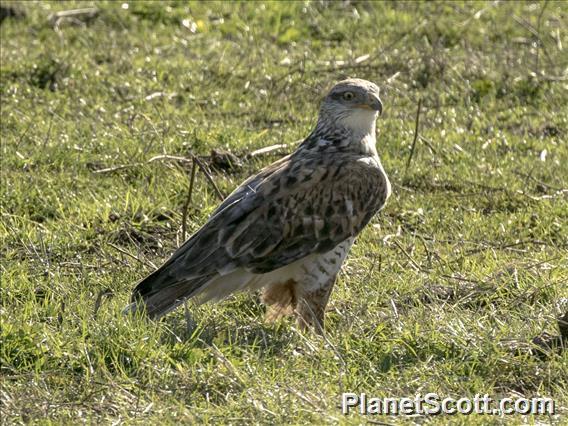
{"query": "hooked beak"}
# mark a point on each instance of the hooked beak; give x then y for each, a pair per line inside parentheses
(373, 103)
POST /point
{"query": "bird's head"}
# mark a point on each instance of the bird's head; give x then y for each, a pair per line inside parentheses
(353, 104)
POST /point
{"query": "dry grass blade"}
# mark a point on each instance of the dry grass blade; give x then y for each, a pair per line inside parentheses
(270, 149)
(116, 168)
(203, 168)
(137, 258)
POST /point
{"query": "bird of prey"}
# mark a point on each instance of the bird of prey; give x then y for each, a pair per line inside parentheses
(286, 230)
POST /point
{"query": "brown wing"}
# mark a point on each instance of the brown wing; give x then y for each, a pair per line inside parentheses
(306, 203)
(310, 207)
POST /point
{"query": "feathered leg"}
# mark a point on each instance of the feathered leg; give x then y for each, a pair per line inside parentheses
(280, 299)
(310, 307)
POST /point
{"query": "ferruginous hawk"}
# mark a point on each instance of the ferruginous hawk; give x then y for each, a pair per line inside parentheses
(287, 229)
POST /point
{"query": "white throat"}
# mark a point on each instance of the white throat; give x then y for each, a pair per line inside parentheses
(362, 123)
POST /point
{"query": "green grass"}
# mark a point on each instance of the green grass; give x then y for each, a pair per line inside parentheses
(467, 261)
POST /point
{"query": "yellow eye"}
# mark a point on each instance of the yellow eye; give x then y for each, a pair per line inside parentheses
(348, 96)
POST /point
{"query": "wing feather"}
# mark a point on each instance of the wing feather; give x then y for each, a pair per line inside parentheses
(303, 204)
(317, 213)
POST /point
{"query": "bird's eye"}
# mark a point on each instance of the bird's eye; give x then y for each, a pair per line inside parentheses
(348, 96)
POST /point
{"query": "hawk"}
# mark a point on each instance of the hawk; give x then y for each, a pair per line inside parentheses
(286, 230)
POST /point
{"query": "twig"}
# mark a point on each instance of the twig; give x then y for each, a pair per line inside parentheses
(24, 134)
(409, 257)
(538, 181)
(170, 157)
(197, 161)
(269, 149)
(187, 202)
(537, 36)
(428, 254)
(503, 246)
(429, 144)
(220, 195)
(145, 263)
(117, 168)
(88, 12)
(538, 32)
(228, 365)
(416, 124)
(75, 16)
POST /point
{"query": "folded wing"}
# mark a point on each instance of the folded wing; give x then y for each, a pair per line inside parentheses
(300, 205)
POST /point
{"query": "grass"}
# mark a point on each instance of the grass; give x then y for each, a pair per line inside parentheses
(443, 292)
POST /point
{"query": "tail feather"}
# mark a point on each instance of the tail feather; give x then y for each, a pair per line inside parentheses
(164, 289)
(157, 295)
(156, 302)
(222, 286)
